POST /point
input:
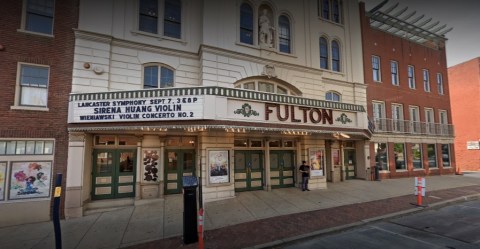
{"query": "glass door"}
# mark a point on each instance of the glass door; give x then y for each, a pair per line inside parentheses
(281, 169)
(248, 170)
(350, 164)
(178, 163)
(113, 174)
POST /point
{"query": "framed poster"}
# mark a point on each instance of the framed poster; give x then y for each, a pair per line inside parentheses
(150, 164)
(317, 162)
(218, 166)
(30, 180)
(3, 173)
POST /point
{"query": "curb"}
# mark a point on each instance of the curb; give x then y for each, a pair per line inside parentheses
(366, 221)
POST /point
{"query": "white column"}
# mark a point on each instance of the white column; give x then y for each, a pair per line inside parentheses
(75, 175)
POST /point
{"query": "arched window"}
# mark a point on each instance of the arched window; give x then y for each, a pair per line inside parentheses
(246, 24)
(335, 56)
(332, 96)
(323, 53)
(155, 74)
(172, 19)
(267, 85)
(284, 33)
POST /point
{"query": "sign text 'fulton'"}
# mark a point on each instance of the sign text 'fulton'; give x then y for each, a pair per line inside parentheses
(168, 108)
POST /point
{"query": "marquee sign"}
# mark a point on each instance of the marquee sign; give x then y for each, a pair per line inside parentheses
(140, 109)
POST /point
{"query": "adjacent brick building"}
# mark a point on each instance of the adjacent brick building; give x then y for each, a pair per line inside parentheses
(36, 54)
(407, 93)
(464, 89)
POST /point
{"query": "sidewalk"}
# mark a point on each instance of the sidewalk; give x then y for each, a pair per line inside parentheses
(257, 218)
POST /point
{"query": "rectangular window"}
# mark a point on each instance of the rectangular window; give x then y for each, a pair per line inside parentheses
(411, 77)
(432, 156)
(429, 121)
(336, 11)
(148, 18)
(417, 156)
(376, 68)
(172, 19)
(443, 122)
(394, 71)
(446, 155)
(246, 24)
(415, 125)
(399, 151)
(440, 83)
(426, 80)
(381, 156)
(325, 9)
(26, 147)
(39, 16)
(379, 115)
(397, 118)
(33, 85)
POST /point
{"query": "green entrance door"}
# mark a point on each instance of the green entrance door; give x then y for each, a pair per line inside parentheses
(178, 163)
(350, 164)
(281, 169)
(113, 174)
(248, 170)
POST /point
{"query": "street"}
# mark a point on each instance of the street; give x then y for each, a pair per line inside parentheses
(455, 226)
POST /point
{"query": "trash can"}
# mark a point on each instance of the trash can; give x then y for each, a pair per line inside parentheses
(190, 234)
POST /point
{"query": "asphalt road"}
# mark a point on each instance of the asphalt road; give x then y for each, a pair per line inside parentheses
(453, 227)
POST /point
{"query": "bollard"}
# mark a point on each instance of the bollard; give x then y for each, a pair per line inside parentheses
(200, 229)
(56, 211)
(419, 190)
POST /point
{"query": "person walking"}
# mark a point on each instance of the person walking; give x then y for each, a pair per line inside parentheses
(305, 169)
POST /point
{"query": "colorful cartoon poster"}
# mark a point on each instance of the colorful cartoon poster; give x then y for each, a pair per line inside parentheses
(3, 173)
(150, 165)
(30, 180)
(317, 162)
(218, 166)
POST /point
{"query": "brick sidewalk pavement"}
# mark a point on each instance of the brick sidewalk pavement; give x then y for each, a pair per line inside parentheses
(263, 232)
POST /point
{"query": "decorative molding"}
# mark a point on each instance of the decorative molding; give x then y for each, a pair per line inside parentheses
(269, 71)
(343, 119)
(76, 136)
(246, 111)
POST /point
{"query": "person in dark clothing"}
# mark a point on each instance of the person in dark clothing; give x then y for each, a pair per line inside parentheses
(305, 169)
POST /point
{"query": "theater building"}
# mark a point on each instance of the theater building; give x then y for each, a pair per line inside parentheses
(407, 92)
(36, 54)
(237, 93)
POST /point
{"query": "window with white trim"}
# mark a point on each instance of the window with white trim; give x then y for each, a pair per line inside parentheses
(429, 120)
(415, 125)
(432, 156)
(246, 24)
(442, 114)
(330, 10)
(440, 83)
(38, 16)
(394, 72)
(284, 34)
(446, 155)
(399, 153)
(417, 156)
(323, 53)
(332, 96)
(397, 117)
(411, 77)
(426, 80)
(379, 115)
(335, 56)
(376, 68)
(33, 85)
(161, 13)
(157, 76)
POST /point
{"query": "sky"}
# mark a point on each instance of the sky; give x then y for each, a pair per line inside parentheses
(463, 41)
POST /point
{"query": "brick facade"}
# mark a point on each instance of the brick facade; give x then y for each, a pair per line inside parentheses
(389, 47)
(465, 88)
(55, 51)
